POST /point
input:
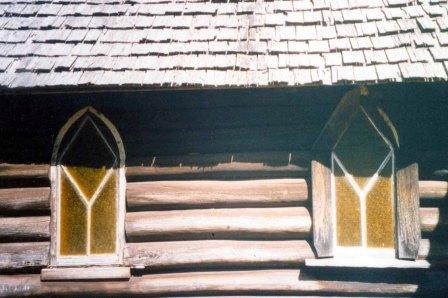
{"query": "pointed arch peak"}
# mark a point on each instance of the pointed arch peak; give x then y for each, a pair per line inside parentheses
(354, 102)
(90, 116)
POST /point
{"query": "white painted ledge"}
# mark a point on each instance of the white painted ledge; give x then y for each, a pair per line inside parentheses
(366, 263)
(87, 273)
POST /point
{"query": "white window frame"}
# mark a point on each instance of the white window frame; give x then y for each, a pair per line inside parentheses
(56, 169)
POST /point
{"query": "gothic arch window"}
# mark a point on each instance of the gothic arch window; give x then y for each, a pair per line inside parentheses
(365, 198)
(88, 192)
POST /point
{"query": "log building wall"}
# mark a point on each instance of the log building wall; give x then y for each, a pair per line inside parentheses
(210, 222)
(210, 237)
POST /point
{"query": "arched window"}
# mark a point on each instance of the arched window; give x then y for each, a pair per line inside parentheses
(88, 192)
(365, 198)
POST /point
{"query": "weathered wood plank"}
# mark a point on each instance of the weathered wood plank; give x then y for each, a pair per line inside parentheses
(20, 171)
(234, 170)
(433, 189)
(203, 253)
(233, 223)
(367, 263)
(432, 219)
(193, 166)
(25, 199)
(236, 223)
(15, 256)
(207, 194)
(408, 221)
(24, 228)
(322, 209)
(434, 251)
(93, 273)
(218, 253)
(278, 282)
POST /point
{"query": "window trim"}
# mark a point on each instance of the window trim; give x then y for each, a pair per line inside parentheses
(55, 174)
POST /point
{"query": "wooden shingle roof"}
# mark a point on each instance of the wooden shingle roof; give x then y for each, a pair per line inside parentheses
(154, 43)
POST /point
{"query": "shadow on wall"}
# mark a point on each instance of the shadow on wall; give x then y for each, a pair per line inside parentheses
(166, 123)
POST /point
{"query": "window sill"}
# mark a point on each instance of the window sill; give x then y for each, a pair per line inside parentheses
(366, 263)
(87, 273)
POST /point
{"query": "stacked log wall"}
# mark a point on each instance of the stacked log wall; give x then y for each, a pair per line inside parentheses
(240, 227)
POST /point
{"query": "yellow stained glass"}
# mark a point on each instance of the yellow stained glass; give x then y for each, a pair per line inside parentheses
(380, 215)
(361, 181)
(87, 178)
(103, 219)
(348, 220)
(73, 231)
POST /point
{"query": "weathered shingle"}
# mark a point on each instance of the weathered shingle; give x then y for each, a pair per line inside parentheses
(353, 57)
(306, 32)
(426, 24)
(389, 72)
(419, 55)
(365, 73)
(397, 55)
(374, 14)
(359, 43)
(4, 63)
(439, 54)
(333, 59)
(375, 56)
(384, 42)
(318, 46)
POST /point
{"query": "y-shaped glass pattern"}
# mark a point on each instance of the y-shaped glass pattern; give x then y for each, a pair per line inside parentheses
(88, 193)
(362, 165)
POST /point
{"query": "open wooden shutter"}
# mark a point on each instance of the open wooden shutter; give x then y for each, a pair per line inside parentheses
(408, 218)
(322, 209)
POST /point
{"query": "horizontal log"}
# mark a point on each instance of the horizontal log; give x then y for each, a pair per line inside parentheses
(218, 253)
(207, 194)
(433, 219)
(236, 223)
(24, 199)
(178, 195)
(92, 273)
(234, 170)
(15, 256)
(243, 165)
(288, 222)
(23, 171)
(192, 166)
(157, 195)
(433, 189)
(255, 282)
(203, 253)
(24, 228)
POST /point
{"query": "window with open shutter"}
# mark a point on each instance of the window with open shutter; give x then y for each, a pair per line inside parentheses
(364, 203)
